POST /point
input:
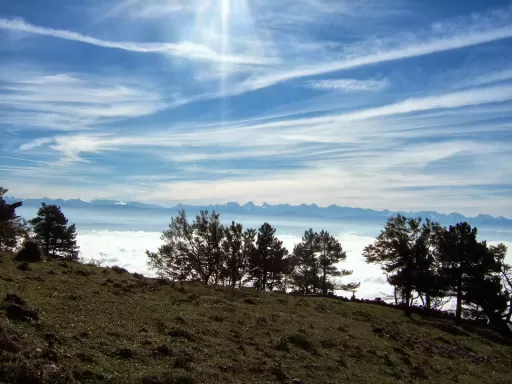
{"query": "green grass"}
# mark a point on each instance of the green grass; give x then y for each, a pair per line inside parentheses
(99, 325)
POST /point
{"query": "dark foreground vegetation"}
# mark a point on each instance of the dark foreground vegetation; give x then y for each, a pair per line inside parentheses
(235, 306)
(65, 322)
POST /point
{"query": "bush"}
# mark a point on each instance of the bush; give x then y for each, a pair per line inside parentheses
(301, 341)
(30, 252)
(118, 269)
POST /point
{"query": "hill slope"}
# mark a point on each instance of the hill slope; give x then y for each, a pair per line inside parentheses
(102, 325)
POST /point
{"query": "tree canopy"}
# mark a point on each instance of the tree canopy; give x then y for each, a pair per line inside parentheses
(52, 232)
(13, 229)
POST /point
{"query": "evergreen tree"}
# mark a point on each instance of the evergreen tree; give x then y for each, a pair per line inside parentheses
(506, 276)
(13, 229)
(331, 253)
(427, 280)
(405, 252)
(472, 271)
(248, 250)
(304, 263)
(314, 264)
(237, 247)
(51, 231)
(267, 264)
(191, 250)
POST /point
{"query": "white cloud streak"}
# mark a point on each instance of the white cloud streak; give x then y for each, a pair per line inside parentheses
(152, 9)
(73, 102)
(493, 77)
(463, 37)
(350, 85)
(182, 49)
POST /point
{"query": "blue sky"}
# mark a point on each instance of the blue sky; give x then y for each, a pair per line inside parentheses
(374, 103)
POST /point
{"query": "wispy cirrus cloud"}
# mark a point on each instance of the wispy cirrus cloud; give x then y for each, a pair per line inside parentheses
(441, 37)
(181, 49)
(492, 77)
(189, 144)
(154, 9)
(209, 128)
(72, 102)
(349, 85)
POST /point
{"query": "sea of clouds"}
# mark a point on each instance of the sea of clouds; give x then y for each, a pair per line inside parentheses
(122, 238)
(127, 249)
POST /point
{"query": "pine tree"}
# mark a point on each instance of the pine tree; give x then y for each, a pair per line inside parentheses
(331, 253)
(314, 264)
(472, 271)
(51, 231)
(237, 247)
(405, 251)
(13, 229)
(267, 264)
(304, 263)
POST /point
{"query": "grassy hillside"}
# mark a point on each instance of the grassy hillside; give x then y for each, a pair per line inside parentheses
(102, 325)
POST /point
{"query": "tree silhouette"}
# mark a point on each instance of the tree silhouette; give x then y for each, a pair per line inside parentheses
(314, 262)
(51, 231)
(473, 271)
(12, 228)
(405, 249)
(190, 250)
(267, 264)
(330, 253)
(237, 248)
(506, 276)
(304, 263)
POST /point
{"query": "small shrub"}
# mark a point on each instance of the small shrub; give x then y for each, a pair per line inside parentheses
(85, 357)
(301, 341)
(321, 307)
(193, 296)
(182, 380)
(81, 272)
(119, 270)
(24, 267)
(51, 354)
(282, 345)
(29, 252)
(279, 373)
(163, 350)
(217, 318)
(183, 359)
(20, 313)
(125, 353)
(329, 343)
(14, 298)
(181, 333)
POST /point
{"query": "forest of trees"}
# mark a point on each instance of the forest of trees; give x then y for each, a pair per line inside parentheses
(207, 251)
(49, 230)
(422, 260)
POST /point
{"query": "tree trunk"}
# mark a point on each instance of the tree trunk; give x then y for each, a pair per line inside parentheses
(509, 314)
(324, 275)
(458, 312)
(47, 246)
(408, 302)
(427, 301)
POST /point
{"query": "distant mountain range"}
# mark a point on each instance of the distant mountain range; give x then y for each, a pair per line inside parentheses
(332, 212)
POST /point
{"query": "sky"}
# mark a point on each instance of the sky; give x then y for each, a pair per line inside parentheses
(383, 104)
